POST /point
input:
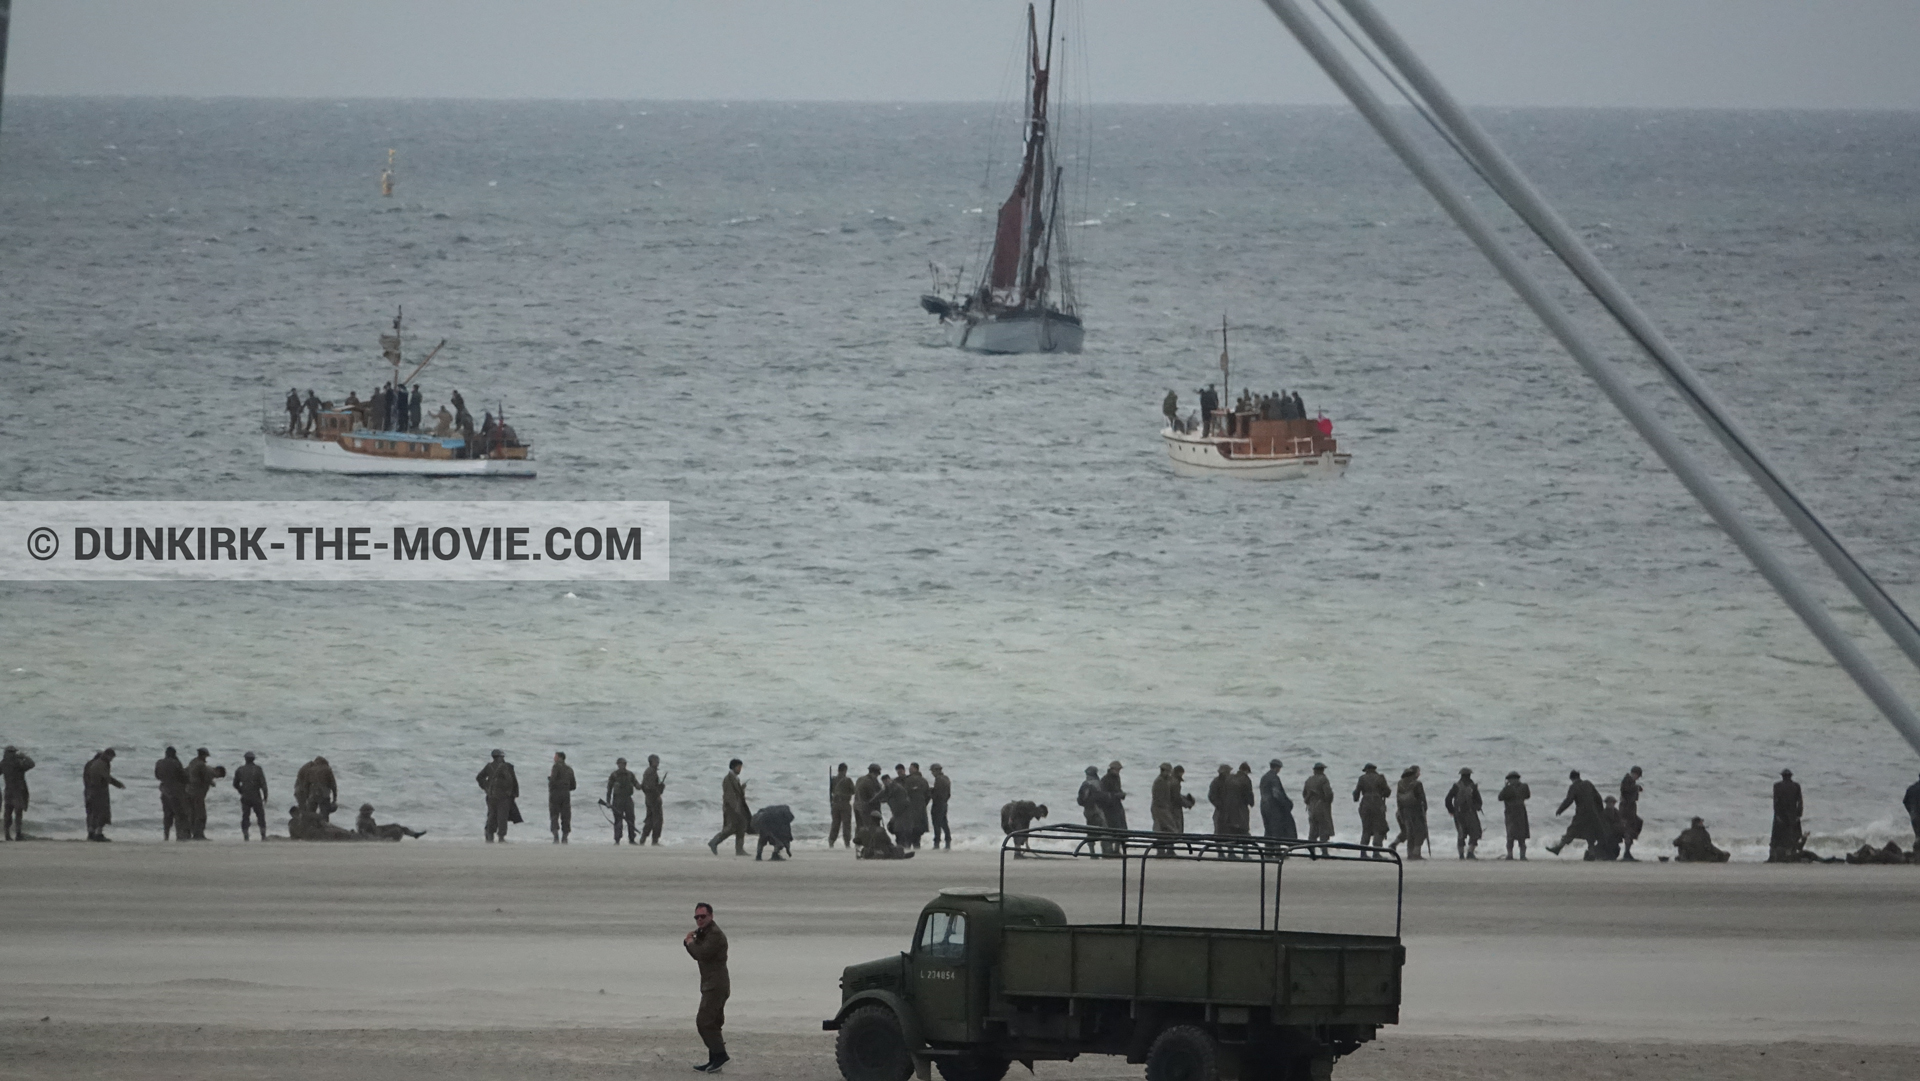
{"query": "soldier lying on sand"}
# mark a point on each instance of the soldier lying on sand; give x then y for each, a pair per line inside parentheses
(374, 831)
(1695, 845)
(305, 825)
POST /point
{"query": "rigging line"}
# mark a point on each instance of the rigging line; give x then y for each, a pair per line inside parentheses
(1512, 186)
(1405, 92)
(1611, 378)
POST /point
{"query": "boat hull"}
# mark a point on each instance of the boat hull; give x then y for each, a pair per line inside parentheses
(326, 456)
(1018, 332)
(1194, 456)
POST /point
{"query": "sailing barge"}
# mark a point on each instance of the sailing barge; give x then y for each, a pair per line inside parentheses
(1024, 303)
(360, 438)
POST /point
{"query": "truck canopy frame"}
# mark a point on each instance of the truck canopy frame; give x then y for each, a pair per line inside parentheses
(1135, 849)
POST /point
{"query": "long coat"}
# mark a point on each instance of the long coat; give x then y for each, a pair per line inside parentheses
(1276, 810)
(733, 803)
(1410, 806)
(1515, 794)
(1318, 792)
(1589, 821)
(1372, 791)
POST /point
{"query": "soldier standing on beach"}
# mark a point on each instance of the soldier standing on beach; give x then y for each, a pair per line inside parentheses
(1463, 803)
(1162, 800)
(1630, 823)
(1318, 794)
(1114, 805)
(653, 784)
(1785, 844)
(251, 782)
(840, 806)
(13, 798)
(502, 787)
(1243, 806)
(1179, 801)
(1093, 802)
(1220, 794)
(1410, 807)
(560, 786)
(1276, 809)
(866, 801)
(1371, 792)
(941, 795)
(621, 784)
(1589, 819)
(707, 945)
(200, 778)
(919, 794)
(734, 816)
(173, 796)
(1514, 796)
(96, 782)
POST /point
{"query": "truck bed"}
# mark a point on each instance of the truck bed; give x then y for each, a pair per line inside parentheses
(1301, 976)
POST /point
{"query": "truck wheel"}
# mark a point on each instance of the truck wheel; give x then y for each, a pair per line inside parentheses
(1183, 1053)
(972, 1067)
(871, 1047)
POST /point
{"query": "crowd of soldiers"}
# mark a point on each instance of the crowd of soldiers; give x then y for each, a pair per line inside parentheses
(1607, 826)
(888, 816)
(1278, 406)
(391, 408)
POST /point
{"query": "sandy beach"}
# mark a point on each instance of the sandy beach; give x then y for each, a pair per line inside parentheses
(220, 960)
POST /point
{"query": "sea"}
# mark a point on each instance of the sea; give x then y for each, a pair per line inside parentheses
(885, 550)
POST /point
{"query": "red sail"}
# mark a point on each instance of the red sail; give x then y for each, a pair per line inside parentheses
(1005, 270)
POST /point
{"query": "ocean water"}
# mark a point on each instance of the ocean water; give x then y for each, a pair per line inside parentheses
(886, 550)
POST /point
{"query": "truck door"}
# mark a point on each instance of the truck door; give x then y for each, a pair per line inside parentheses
(940, 976)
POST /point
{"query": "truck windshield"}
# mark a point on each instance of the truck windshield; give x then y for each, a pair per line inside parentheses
(944, 937)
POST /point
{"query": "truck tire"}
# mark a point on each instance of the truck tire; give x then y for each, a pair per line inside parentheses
(872, 1047)
(1183, 1053)
(972, 1067)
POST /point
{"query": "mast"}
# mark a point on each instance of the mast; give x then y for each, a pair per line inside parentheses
(1226, 368)
(1037, 157)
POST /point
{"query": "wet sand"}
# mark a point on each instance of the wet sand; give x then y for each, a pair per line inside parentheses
(475, 961)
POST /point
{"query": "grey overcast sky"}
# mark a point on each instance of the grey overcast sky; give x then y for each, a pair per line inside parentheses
(1700, 53)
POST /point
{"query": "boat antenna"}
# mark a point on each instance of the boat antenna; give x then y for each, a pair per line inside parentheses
(1226, 369)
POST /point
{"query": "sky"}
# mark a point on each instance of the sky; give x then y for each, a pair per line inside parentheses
(1817, 54)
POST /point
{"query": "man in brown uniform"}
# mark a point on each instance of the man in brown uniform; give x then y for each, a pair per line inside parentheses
(1162, 799)
(172, 776)
(251, 782)
(1182, 800)
(1410, 808)
(96, 782)
(1464, 804)
(1019, 815)
(1787, 840)
(1514, 796)
(840, 804)
(1371, 793)
(941, 795)
(560, 786)
(919, 794)
(13, 772)
(1630, 821)
(621, 784)
(314, 788)
(1696, 845)
(502, 787)
(200, 777)
(652, 785)
(707, 945)
(1318, 794)
(734, 816)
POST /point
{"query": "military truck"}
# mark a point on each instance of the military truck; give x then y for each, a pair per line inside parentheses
(994, 978)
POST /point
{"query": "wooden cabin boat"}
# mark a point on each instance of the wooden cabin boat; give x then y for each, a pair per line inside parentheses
(338, 439)
(1250, 441)
(1245, 446)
